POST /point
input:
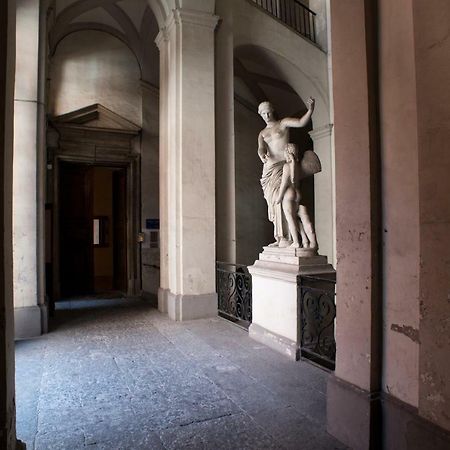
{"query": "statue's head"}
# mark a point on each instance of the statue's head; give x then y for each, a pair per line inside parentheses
(266, 111)
(291, 152)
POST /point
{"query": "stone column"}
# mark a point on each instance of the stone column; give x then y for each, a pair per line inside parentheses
(28, 152)
(225, 137)
(190, 165)
(163, 291)
(353, 390)
(324, 201)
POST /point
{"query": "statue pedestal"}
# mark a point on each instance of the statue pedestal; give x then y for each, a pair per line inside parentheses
(275, 298)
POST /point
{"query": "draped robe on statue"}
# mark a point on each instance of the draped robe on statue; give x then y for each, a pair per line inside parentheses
(271, 182)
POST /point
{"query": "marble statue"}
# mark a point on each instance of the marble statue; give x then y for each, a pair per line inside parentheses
(281, 176)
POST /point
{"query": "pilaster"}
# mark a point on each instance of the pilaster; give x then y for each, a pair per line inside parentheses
(188, 162)
(28, 173)
(324, 201)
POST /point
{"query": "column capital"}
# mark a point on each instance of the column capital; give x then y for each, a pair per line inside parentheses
(161, 38)
(321, 132)
(182, 16)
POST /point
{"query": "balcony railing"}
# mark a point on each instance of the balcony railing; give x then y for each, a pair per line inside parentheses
(292, 13)
(234, 293)
(318, 314)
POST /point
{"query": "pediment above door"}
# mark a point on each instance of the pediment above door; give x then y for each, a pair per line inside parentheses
(95, 117)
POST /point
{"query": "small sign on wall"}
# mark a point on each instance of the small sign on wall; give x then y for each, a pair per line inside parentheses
(152, 224)
(151, 233)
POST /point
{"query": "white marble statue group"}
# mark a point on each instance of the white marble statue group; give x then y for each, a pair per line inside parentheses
(281, 176)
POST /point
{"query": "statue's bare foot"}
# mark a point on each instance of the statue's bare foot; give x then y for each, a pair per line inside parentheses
(295, 245)
(273, 244)
(305, 244)
(284, 243)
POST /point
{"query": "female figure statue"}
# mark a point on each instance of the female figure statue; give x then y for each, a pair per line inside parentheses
(284, 208)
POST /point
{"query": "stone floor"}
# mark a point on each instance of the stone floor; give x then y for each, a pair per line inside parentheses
(120, 375)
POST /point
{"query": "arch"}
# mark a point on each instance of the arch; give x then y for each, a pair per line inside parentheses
(304, 83)
(108, 60)
(93, 26)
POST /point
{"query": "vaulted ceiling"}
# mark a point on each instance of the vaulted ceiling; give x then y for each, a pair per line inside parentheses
(131, 21)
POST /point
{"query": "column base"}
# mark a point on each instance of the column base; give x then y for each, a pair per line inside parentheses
(276, 342)
(30, 321)
(188, 307)
(353, 415)
(162, 300)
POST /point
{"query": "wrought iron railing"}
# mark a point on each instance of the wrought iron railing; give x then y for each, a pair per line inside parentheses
(292, 13)
(234, 292)
(318, 314)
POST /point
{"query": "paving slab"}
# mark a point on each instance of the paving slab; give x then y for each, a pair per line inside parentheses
(117, 374)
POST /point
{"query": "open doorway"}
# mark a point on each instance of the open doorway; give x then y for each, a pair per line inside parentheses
(92, 230)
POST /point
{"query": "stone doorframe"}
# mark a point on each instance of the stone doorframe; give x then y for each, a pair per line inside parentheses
(110, 157)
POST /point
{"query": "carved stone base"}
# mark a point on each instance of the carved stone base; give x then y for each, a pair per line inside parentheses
(275, 297)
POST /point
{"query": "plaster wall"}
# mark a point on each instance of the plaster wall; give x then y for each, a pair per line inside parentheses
(400, 194)
(431, 35)
(356, 244)
(94, 67)
(253, 229)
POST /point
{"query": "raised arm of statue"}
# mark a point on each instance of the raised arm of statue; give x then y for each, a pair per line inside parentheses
(262, 149)
(293, 122)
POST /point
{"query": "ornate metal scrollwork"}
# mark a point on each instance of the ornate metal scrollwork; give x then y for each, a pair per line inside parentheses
(318, 313)
(234, 291)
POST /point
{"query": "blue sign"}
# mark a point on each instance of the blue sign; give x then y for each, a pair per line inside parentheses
(152, 224)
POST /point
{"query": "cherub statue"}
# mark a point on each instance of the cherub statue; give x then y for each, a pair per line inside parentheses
(289, 192)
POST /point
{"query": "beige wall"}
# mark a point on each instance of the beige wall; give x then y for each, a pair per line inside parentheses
(107, 73)
(413, 74)
(357, 296)
(431, 31)
(400, 194)
(415, 131)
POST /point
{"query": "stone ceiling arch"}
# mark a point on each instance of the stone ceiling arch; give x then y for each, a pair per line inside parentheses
(302, 82)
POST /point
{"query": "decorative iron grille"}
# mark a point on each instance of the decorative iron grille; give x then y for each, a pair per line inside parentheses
(293, 14)
(318, 314)
(234, 292)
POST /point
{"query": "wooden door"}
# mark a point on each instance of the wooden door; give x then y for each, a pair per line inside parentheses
(120, 229)
(76, 229)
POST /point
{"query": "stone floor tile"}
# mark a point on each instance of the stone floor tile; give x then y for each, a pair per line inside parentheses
(230, 432)
(124, 376)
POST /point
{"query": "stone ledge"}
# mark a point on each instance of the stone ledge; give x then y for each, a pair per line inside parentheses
(276, 342)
